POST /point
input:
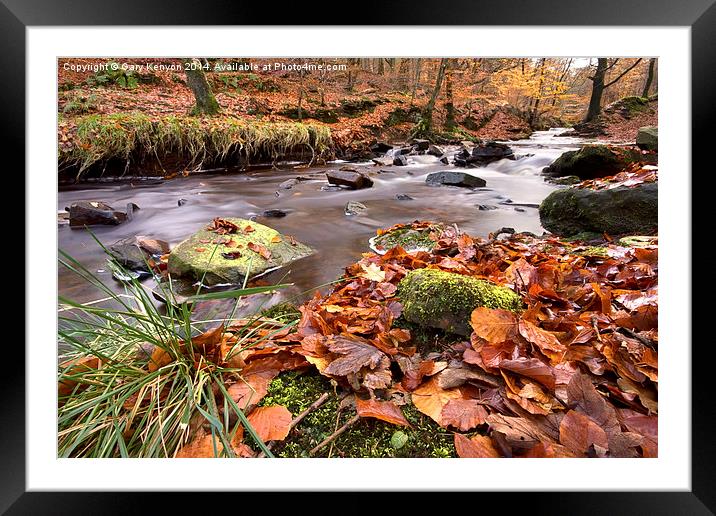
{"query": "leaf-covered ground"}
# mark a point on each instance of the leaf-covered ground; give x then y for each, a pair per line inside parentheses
(574, 374)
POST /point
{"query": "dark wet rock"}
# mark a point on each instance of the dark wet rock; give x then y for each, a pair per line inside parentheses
(380, 147)
(381, 171)
(517, 208)
(488, 152)
(400, 161)
(348, 168)
(355, 208)
(590, 162)
(445, 300)
(195, 258)
(133, 252)
(648, 138)
(290, 183)
(353, 180)
(93, 213)
(449, 177)
(274, 213)
(420, 144)
(403, 197)
(566, 180)
(444, 160)
(506, 201)
(434, 150)
(181, 202)
(402, 151)
(486, 207)
(617, 211)
(383, 162)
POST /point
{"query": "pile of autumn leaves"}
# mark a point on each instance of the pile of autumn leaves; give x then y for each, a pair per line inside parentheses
(573, 375)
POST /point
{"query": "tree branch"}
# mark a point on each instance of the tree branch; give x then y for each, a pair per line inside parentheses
(622, 74)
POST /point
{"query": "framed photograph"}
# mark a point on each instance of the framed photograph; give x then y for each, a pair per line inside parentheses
(412, 249)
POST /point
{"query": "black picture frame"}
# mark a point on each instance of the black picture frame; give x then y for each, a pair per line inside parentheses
(699, 15)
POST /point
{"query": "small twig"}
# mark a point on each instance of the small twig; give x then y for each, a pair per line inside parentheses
(335, 434)
(635, 335)
(313, 406)
(596, 329)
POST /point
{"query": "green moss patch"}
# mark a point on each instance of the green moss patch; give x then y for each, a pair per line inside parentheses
(207, 256)
(445, 300)
(368, 438)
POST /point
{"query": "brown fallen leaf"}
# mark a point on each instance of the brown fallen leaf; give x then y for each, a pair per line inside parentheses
(547, 343)
(260, 249)
(356, 354)
(233, 255)
(271, 423)
(276, 239)
(494, 325)
(430, 399)
(579, 433)
(199, 249)
(384, 410)
(463, 414)
(75, 368)
(248, 229)
(475, 447)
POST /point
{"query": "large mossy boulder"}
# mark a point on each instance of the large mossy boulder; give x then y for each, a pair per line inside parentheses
(648, 138)
(250, 251)
(589, 162)
(617, 211)
(445, 300)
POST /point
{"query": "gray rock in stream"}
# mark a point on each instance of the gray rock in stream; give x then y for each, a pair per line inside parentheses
(134, 252)
(400, 161)
(434, 150)
(93, 213)
(617, 211)
(352, 180)
(355, 208)
(451, 178)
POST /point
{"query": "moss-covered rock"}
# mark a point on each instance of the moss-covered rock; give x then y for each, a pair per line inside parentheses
(648, 138)
(445, 300)
(589, 162)
(203, 257)
(617, 211)
(368, 438)
(408, 238)
(638, 241)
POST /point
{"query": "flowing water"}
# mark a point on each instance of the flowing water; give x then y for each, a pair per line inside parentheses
(315, 216)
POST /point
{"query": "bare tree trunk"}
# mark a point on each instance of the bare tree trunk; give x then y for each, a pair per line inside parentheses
(416, 79)
(449, 105)
(533, 115)
(595, 101)
(649, 77)
(300, 95)
(427, 118)
(206, 103)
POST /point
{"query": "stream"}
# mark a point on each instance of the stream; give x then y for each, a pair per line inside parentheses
(315, 216)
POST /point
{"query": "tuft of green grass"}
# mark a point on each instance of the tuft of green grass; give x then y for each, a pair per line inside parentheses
(99, 138)
(117, 407)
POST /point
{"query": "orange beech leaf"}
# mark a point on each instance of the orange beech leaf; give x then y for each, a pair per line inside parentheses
(493, 325)
(260, 249)
(76, 367)
(579, 432)
(384, 410)
(463, 414)
(271, 423)
(430, 399)
(549, 451)
(547, 343)
(475, 447)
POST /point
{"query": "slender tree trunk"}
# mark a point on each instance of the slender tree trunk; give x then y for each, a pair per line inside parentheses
(427, 118)
(449, 105)
(206, 103)
(649, 77)
(416, 79)
(533, 115)
(300, 95)
(595, 101)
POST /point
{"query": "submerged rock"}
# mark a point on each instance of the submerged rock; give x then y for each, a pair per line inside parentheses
(590, 162)
(445, 300)
(420, 145)
(380, 147)
(648, 138)
(448, 177)
(353, 180)
(400, 161)
(488, 152)
(251, 250)
(617, 211)
(93, 213)
(434, 150)
(181, 202)
(355, 208)
(274, 213)
(444, 160)
(403, 197)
